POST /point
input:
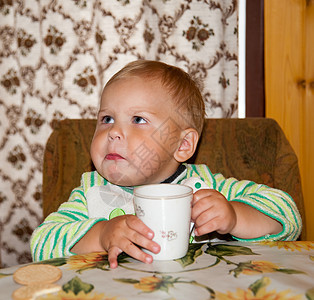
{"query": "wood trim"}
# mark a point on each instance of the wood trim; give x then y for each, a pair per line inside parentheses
(255, 85)
(289, 70)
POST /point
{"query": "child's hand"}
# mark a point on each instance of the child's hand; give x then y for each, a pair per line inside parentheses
(211, 211)
(125, 234)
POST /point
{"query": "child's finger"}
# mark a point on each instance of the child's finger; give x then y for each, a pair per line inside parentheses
(131, 249)
(136, 224)
(204, 204)
(210, 226)
(200, 194)
(112, 257)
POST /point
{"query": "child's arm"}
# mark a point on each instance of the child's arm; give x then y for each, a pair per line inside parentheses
(61, 230)
(269, 204)
(70, 231)
(255, 204)
(213, 212)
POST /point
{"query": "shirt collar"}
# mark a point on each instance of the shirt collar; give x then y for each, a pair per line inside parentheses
(177, 176)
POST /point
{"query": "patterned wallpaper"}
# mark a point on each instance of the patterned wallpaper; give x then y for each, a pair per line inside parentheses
(55, 57)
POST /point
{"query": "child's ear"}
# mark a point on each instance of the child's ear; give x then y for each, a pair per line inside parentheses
(187, 146)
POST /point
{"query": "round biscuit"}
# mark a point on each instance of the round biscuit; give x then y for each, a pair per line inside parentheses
(38, 273)
(30, 292)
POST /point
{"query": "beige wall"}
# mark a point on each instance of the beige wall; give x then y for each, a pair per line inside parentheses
(289, 80)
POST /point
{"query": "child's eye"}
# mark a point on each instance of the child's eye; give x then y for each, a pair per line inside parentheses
(107, 120)
(139, 120)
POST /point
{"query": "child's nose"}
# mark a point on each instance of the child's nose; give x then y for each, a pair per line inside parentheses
(115, 133)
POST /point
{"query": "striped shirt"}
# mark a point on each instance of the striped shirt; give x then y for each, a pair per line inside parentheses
(61, 230)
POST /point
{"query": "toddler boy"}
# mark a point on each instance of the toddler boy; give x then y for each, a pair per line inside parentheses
(150, 120)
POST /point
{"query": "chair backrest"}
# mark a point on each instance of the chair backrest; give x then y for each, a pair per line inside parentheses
(253, 148)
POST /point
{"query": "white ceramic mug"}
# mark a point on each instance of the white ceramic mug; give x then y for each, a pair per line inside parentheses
(166, 209)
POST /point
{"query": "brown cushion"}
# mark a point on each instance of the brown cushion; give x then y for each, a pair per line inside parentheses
(253, 148)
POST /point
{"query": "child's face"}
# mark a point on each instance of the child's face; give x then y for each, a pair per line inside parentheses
(136, 134)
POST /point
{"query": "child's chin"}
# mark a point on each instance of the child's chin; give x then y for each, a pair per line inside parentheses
(120, 179)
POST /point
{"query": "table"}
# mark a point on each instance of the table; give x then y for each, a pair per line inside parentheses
(219, 270)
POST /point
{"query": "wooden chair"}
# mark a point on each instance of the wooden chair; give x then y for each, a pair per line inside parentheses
(253, 148)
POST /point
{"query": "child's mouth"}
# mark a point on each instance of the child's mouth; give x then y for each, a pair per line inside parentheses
(113, 156)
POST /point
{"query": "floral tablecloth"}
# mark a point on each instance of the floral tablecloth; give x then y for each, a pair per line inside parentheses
(220, 270)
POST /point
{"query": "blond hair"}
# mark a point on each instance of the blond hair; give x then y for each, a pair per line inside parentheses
(182, 88)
